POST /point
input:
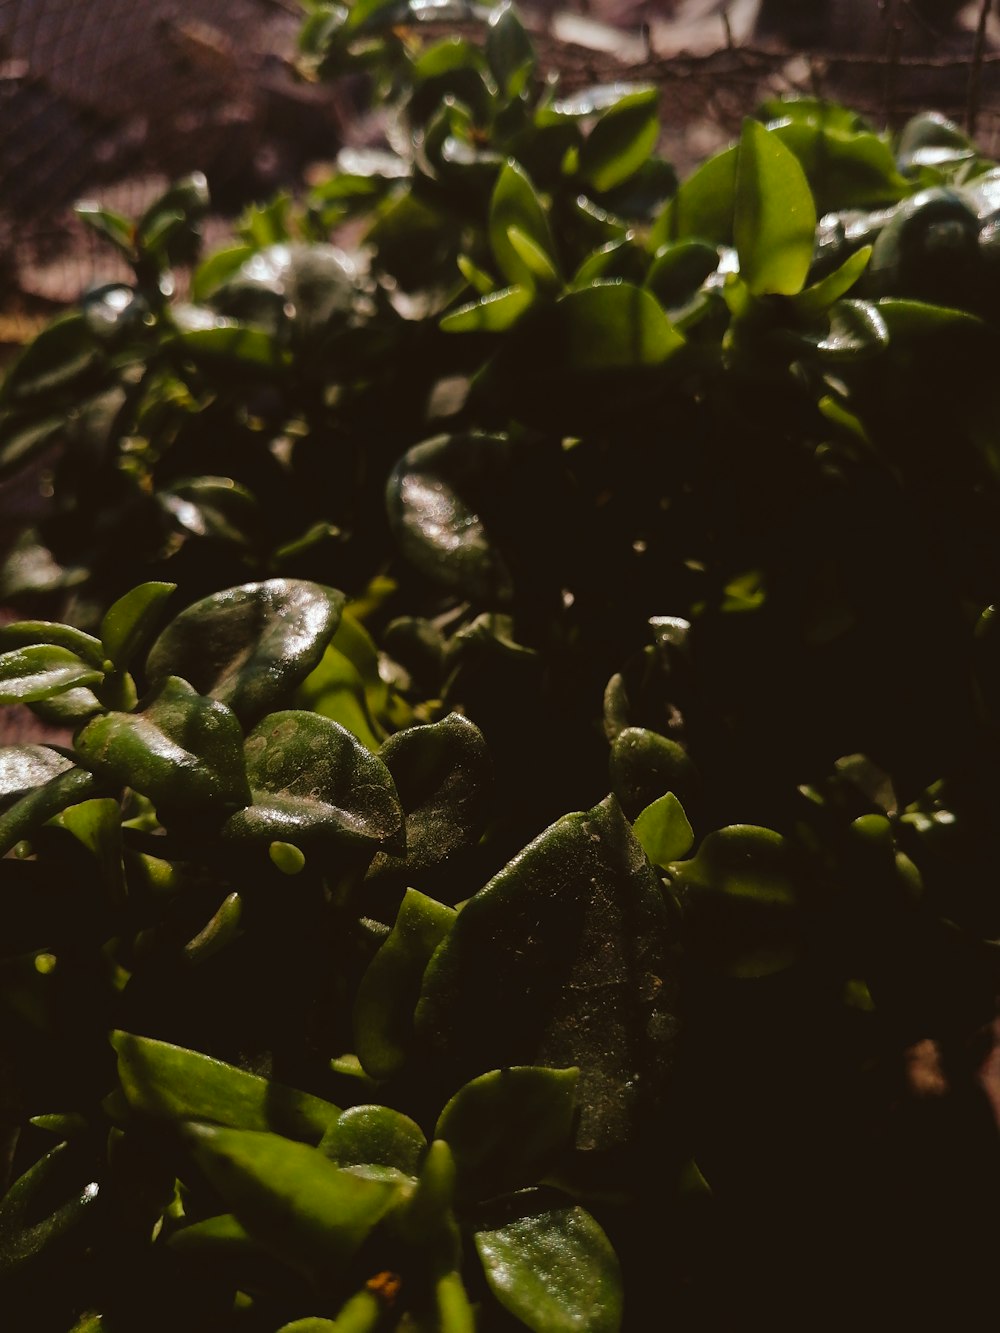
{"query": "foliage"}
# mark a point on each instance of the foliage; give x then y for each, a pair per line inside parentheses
(552, 635)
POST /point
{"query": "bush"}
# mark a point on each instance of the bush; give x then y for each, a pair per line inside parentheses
(571, 489)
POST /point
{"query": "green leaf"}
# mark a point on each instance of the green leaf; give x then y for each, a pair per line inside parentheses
(664, 831)
(180, 749)
(228, 344)
(23, 768)
(23, 435)
(564, 958)
(112, 226)
(821, 295)
(845, 168)
(312, 780)
(434, 499)
(504, 1128)
(288, 1196)
(40, 671)
(29, 1224)
(857, 332)
(492, 314)
(454, 1310)
(217, 269)
(678, 271)
(60, 358)
(214, 507)
(703, 207)
(742, 901)
(27, 633)
(170, 1083)
(97, 823)
(509, 52)
(621, 141)
(645, 766)
(516, 205)
(40, 804)
(390, 987)
(917, 319)
(249, 646)
(534, 258)
(553, 1268)
(444, 778)
(129, 622)
(775, 219)
(375, 1137)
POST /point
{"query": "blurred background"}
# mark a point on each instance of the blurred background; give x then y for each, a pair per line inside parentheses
(110, 99)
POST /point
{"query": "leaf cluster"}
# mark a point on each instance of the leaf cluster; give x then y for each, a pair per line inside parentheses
(524, 672)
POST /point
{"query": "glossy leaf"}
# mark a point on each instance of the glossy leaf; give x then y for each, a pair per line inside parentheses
(42, 803)
(645, 766)
(313, 781)
(25, 767)
(742, 901)
(23, 435)
(375, 1137)
(444, 778)
(170, 1083)
(621, 141)
(43, 1207)
(40, 671)
(775, 218)
(390, 987)
(515, 204)
(129, 622)
(491, 314)
(564, 958)
(613, 326)
(26, 633)
(249, 646)
(433, 498)
(553, 1268)
(857, 332)
(289, 1197)
(505, 1127)
(180, 749)
(664, 831)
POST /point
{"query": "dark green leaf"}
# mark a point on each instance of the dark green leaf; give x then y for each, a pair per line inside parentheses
(505, 1127)
(26, 633)
(249, 646)
(23, 435)
(515, 204)
(180, 749)
(564, 958)
(509, 52)
(60, 358)
(433, 497)
(97, 823)
(553, 1268)
(170, 1083)
(390, 988)
(444, 778)
(621, 141)
(129, 622)
(376, 1137)
(42, 803)
(313, 781)
(29, 1225)
(741, 900)
(40, 671)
